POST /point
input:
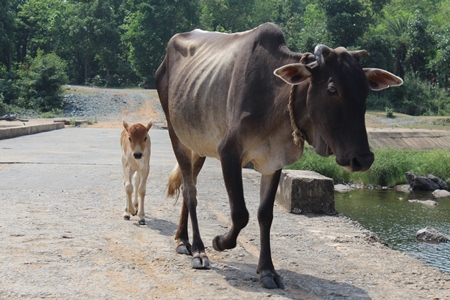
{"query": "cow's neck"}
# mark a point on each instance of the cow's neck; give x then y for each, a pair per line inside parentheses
(297, 135)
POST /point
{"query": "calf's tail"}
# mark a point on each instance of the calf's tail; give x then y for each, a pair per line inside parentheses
(174, 185)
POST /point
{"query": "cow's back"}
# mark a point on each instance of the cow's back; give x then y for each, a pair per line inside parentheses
(215, 80)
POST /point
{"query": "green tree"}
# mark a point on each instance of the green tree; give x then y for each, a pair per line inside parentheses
(95, 30)
(422, 46)
(226, 15)
(440, 64)
(7, 28)
(147, 29)
(41, 80)
(347, 20)
(38, 27)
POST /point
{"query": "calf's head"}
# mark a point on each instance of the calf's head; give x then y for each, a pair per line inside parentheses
(138, 138)
(337, 89)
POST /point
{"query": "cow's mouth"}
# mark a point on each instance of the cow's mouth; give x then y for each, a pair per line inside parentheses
(322, 147)
(356, 162)
(350, 162)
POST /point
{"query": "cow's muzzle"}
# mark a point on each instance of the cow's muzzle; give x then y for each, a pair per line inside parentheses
(358, 163)
(137, 155)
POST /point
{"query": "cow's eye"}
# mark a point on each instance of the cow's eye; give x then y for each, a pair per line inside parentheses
(331, 88)
(145, 139)
(129, 139)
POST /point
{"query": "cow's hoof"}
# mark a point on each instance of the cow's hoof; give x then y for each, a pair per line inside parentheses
(200, 261)
(127, 218)
(141, 222)
(183, 249)
(272, 281)
(220, 245)
(216, 244)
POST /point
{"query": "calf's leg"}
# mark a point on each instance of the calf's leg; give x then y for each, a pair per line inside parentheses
(142, 184)
(129, 209)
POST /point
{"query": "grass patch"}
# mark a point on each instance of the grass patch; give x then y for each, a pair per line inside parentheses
(388, 169)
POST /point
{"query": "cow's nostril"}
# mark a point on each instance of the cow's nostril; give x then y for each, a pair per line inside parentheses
(137, 155)
(362, 163)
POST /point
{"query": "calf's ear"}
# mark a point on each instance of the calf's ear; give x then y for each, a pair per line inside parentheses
(380, 79)
(293, 73)
(125, 125)
(149, 125)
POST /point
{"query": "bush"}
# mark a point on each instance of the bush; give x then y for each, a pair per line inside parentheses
(326, 166)
(414, 97)
(388, 169)
(4, 108)
(389, 112)
(42, 81)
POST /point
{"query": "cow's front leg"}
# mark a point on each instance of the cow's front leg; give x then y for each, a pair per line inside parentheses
(232, 174)
(268, 276)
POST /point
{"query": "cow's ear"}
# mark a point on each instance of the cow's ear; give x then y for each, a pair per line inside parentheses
(125, 125)
(293, 73)
(380, 79)
(149, 125)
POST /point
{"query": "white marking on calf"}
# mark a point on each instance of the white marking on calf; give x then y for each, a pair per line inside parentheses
(135, 142)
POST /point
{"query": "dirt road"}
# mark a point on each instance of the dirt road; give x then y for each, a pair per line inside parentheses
(62, 235)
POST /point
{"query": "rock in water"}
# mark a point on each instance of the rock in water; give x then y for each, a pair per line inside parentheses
(441, 193)
(431, 235)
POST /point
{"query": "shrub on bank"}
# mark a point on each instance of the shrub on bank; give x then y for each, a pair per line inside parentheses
(388, 169)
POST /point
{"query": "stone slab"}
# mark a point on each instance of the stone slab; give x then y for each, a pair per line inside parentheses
(305, 192)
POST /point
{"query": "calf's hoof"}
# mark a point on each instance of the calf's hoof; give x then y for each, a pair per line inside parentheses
(126, 218)
(141, 222)
(200, 261)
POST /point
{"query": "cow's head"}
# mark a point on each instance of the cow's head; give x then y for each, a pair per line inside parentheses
(137, 135)
(336, 102)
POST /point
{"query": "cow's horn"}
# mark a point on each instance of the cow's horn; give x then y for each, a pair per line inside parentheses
(358, 54)
(321, 52)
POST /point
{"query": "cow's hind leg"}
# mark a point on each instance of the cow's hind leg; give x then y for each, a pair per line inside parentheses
(186, 162)
(268, 276)
(184, 247)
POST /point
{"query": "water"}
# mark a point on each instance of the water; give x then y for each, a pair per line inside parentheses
(396, 221)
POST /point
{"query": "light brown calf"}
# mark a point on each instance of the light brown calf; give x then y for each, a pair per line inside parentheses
(135, 142)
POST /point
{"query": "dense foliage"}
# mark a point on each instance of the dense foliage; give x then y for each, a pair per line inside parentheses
(122, 42)
(388, 169)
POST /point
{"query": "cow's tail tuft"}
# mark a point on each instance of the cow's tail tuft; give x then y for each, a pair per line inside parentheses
(174, 185)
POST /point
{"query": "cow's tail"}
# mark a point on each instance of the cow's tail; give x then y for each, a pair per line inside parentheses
(174, 185)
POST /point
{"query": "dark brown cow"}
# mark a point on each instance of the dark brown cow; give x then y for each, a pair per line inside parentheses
(222, 99)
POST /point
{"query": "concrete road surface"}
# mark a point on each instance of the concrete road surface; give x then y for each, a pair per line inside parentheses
(62, 235)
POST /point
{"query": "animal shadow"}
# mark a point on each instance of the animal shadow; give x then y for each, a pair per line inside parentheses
(298, 286)
(164, 227)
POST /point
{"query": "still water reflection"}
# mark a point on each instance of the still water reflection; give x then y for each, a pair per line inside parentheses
(396, 221)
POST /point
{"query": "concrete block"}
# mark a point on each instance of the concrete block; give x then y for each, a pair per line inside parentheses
(305, 192)
(11, 132)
